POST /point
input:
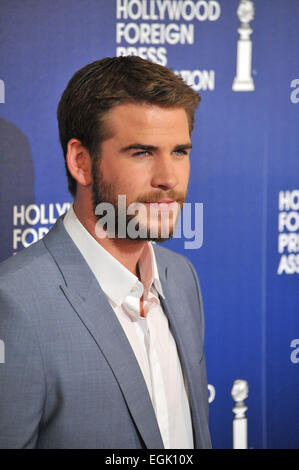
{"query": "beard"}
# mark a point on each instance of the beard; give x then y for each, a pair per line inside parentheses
(105, 192)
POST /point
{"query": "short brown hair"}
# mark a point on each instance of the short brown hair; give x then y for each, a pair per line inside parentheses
(98, 87)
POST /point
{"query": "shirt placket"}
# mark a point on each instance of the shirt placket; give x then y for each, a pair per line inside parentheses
(158, 385)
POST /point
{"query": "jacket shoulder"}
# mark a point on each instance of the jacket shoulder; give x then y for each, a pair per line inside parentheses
(24, 261)
(181, 270)
(177, 262)
(27, 272)
(169, 257)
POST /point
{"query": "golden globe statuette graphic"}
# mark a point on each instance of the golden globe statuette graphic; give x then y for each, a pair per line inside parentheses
(239, 394)
(243, 80)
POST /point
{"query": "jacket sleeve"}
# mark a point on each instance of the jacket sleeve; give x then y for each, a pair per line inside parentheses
(22, 379)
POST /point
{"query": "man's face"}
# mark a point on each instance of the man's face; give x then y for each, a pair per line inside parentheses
(147, 160)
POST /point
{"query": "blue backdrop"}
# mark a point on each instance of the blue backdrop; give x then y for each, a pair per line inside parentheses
(244, 171)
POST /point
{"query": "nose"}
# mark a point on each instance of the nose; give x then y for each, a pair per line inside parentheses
(164, 174)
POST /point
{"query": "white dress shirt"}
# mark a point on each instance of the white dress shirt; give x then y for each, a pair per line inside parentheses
(149, 336)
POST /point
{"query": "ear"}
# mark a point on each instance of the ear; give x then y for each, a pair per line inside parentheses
(79, 162)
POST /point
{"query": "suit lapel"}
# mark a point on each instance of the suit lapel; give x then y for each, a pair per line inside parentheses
(89, 302)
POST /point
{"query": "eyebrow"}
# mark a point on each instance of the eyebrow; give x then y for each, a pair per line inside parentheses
(138, 146)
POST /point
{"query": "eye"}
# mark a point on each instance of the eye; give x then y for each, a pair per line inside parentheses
(180, 152)
(141, 153)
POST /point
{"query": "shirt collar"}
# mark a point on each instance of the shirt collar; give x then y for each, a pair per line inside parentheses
(116, 281)
(148, 270)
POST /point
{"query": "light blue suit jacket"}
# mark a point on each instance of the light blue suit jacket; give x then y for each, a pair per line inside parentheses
(70, 378)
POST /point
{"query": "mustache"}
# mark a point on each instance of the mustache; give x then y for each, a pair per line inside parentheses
(178, 196)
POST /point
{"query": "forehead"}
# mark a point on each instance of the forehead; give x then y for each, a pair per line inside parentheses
(148, 121)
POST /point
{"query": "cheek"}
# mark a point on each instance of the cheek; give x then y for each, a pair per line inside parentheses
(185, 173)
(132, 183)
(137, 175)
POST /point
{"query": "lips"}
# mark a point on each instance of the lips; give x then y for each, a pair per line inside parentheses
(166, 201)
(163, 205)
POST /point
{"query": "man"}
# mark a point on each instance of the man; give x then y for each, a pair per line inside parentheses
(104, 334)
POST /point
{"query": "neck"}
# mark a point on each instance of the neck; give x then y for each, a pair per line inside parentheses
(126, 251)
